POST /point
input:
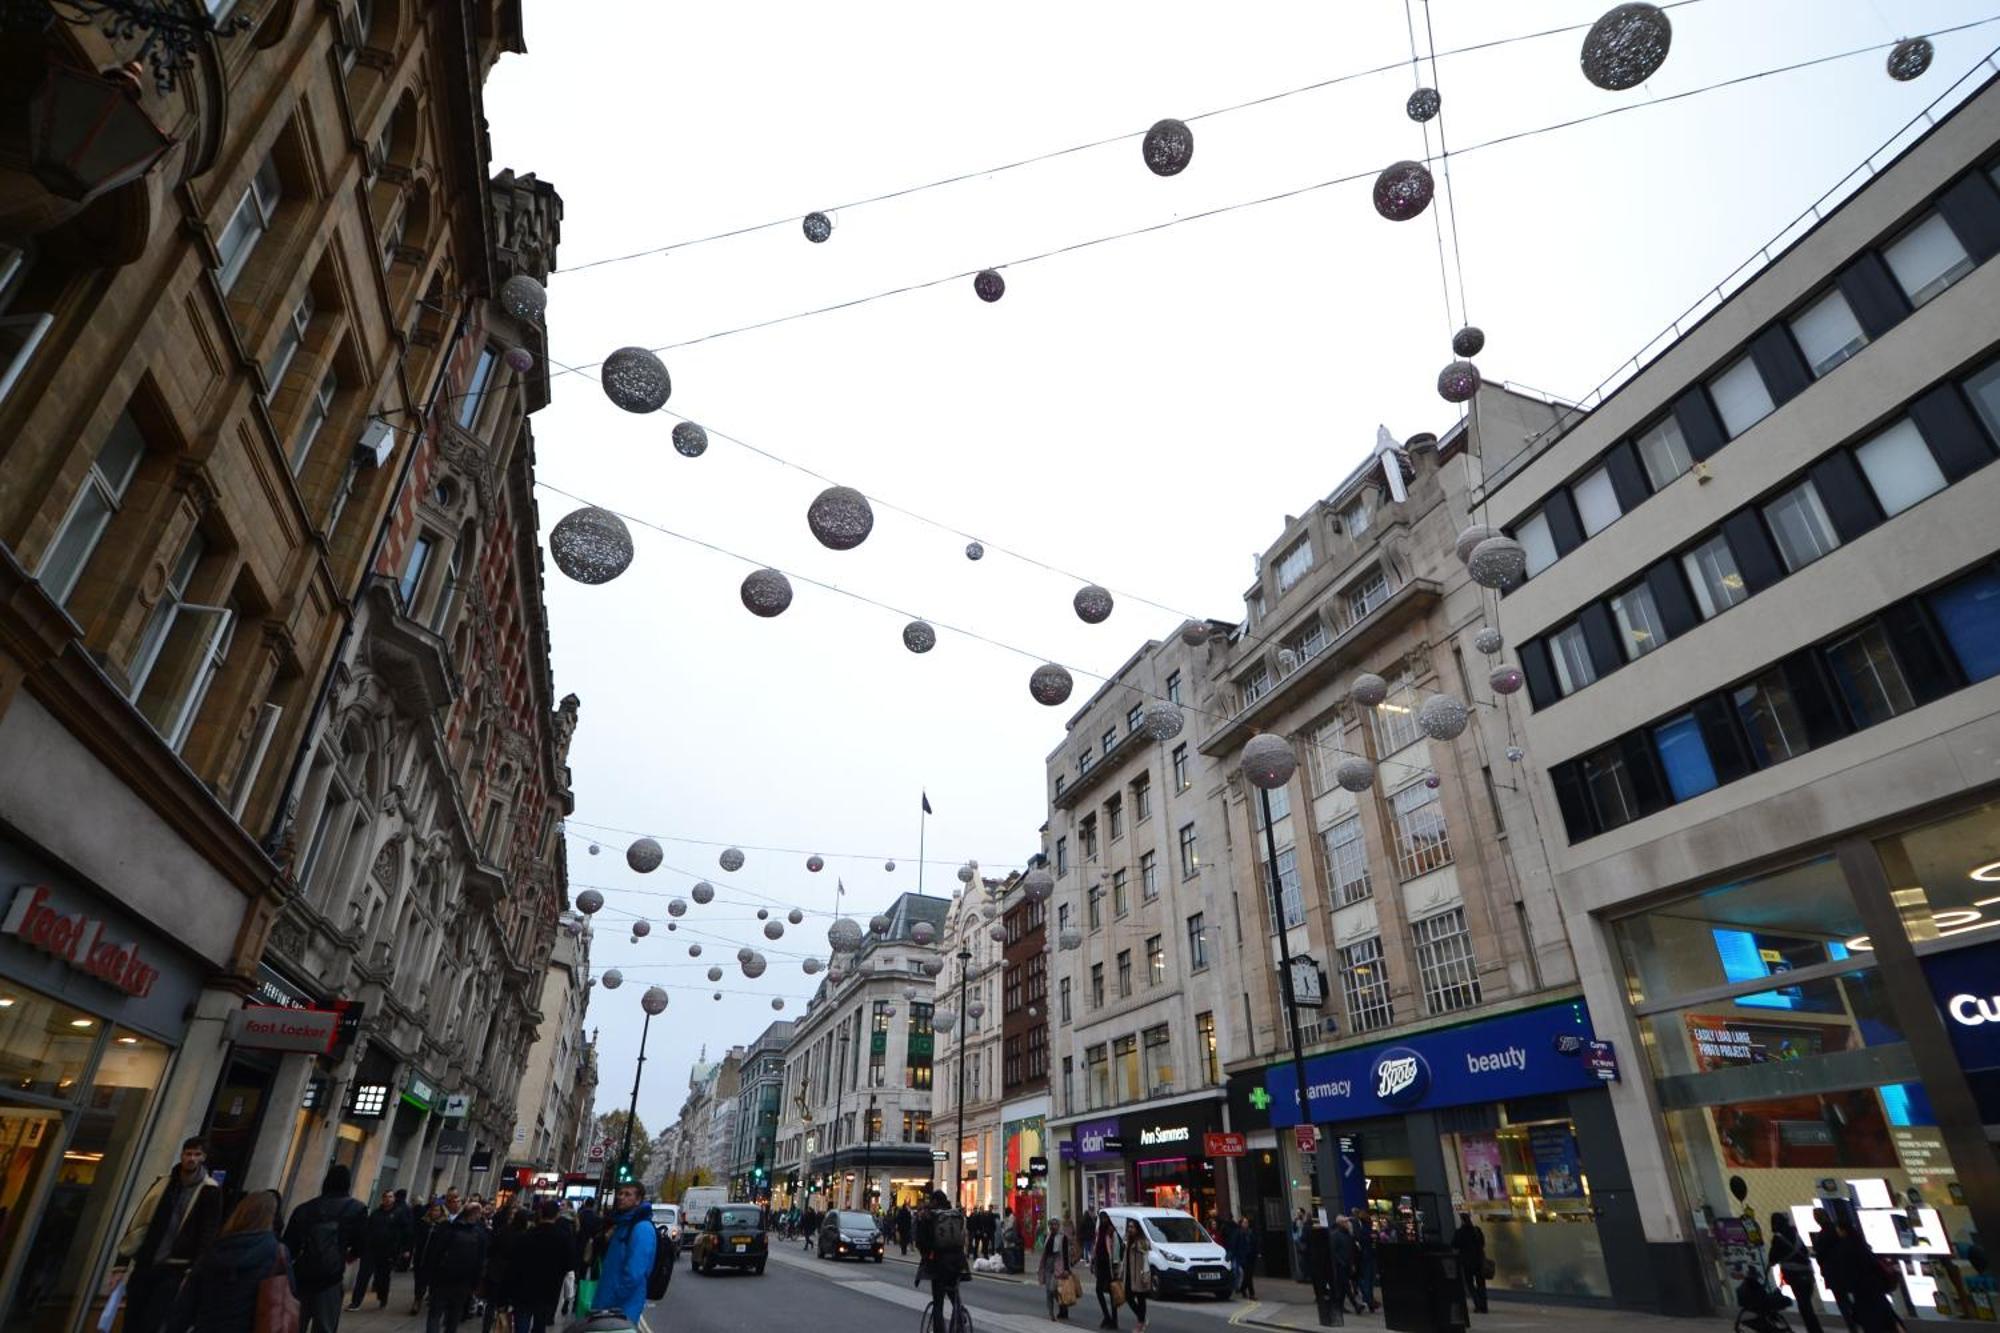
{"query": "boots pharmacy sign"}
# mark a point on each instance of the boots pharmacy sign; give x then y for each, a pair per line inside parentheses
(42, 922)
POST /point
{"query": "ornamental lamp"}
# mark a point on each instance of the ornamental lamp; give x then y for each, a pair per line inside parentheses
(88, 134)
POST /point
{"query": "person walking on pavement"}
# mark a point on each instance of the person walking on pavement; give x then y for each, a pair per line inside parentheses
(453, 1260)
(1058, 1263)
(1794, 1263)
(1246, 1249)
(420, 1242)
(220, 1293)
(542, 1259)
(385, 1241)
(1866, 1282)
(1104, 1267)
(323, 1236)
(1364, 1246)
(1300, 1226)
(1138, 1270)
(941, 1250)
(628, 1258)
(903, 1225)
(502, 1250)
(177, 1219)
(1346, 1254)
(1825, 1246)
(1470, 1242)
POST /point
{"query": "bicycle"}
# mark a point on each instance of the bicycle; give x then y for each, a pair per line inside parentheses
(961, 1320)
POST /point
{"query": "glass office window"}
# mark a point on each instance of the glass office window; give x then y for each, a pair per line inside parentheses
(1684, 757)
(1533, 534)
(1800, 526)
(1664, 452)
(1968, 612)
(1640, 630)
(1827, 332)
(1927, 258)
(1771, 718)
(1899, 467)
(1741, 399)
(1712, 573)
(1596, 501)
(1571, 657)
(1869, 677)
(1984, 390)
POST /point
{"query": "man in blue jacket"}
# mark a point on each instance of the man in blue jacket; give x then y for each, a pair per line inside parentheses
(629, 1258)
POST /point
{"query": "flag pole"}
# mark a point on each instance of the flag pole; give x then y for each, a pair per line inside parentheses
(922, 820)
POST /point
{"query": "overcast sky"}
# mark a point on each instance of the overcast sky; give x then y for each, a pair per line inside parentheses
(1144, 412)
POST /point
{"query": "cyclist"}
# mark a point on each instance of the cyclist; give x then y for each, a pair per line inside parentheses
(941, 1247)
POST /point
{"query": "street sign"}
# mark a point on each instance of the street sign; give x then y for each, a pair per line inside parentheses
(457, 1105)
(1308, 1138)
(271, 1027)
(453, 1142)
(1038, 1166)
(596, 1153)
(939, 1154)
(1601, 1059)
(1112, 1143)
(1224, 1145)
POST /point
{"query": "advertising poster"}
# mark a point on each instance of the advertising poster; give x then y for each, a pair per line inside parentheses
(1479, 1158)
(1554, 1150)
(1829, 1130)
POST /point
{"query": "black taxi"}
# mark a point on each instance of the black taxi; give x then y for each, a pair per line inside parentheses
(731, 1236)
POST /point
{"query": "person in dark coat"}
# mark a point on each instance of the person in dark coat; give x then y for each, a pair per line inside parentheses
(1470, 1242)
(543, 1256)
(420, 1241)
(176, 1220)
(454, 1260)
(1104, 1267)
(333, 1228)
(1861, 1275)
(382, 1244)
(220, 1293)
(1245, 1248)
(903, 1225)
(496, 1287)
(1364, 1246)
(1346, 1257)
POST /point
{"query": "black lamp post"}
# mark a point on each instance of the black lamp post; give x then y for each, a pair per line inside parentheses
(654, 1001)
(1268, 762)
(839, 1087)
(868, 1156)
(964, 1019)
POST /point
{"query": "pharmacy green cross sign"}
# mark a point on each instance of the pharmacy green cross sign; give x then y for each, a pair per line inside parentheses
(1260, 1099)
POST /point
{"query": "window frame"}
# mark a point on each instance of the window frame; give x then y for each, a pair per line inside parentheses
(1422, 844)
(1669, 442)
(1288, 576)
(1742, 364)
(97, 485)
(260, 197)
(1364, 985)
(1699, 586)
(1595, 487)
(1943, 280)
(1846, 352)
(1447, 962)
(1634, 639)
(1573, 670)
(1805, 517)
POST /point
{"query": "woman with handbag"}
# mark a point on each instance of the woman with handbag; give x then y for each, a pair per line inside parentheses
(1104, 1267)
(1058, 1270)
(243, 1283)
(1138, 1270)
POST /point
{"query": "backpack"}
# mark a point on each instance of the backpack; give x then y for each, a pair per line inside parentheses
(321, 1259)
(662, 1271)
(948, 1231)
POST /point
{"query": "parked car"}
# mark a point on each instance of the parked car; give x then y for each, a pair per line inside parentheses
(667, 1220)
(731, 1236)
(850, 1236)
(1185, 1259)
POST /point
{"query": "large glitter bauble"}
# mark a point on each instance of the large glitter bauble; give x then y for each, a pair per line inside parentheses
(1092, 603)
(1038, 884)
(811, 965)
(944, 1020)
(840, 518)
(642, 928)
(844, 935)
(591, 545)
(594, 849)
(1268, 760)
(716, 996)
(965, 873)
(817, 227)
(524, 298)
(678, 907)
(1168, 147)
(1368, 690)
(923, 933)
(1070, 938)
(644, 856)
(878, 924)
(933, 966)
(690, 440)
(613, 979)
(743, 954)
(703, 892)
(519, 360)
(1050, 684)
(1505, 679)
(1433, 781)
(1288, 661)
(1469, 539)
(997, 933)
(1403, 191)
(694, 951)
(815, 864)
(731, 859)
(774, 930)
(976, 1010)
(909, 992)
(989, 286)
(1423, 104)
(1195, 633)
(763, 914)
(1910, 58)
(590, 902)
(1624, 48)
(919, 637)
(1498, 562)
(636, 380)
(1442, 717)
(1489, 640)
(1162, 721)
(1355, 774)
(795, 916)
(766, 593)
(889, 867)
(754, 965)
(974, 551)
(1458, 381)
(654, 1001)
(1469, 341)
(777, 1002)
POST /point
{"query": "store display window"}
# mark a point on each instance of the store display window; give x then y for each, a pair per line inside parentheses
(1526, 1187)
(1945, 878)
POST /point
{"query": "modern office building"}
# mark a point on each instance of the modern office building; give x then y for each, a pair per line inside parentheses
(760, 1091)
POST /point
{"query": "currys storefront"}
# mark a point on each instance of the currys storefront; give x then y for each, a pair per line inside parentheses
(1505, 1118)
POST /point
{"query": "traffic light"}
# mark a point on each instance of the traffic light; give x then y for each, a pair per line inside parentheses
(624, 1176)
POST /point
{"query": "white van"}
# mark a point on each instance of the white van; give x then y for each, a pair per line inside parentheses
(694, 1206)
(1185, 1259)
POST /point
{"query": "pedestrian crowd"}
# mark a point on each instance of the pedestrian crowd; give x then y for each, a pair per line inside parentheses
(184, 1266)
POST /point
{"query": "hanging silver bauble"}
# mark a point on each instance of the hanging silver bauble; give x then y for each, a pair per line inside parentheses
(743, 953)
(677, 907)
(731, 859)
(944, 1020)
(754, 965)
(1038, 884)
(932, 966)
(644, 856)
(777, 1002)
(703, 892)
(694, 951)
(673, 925)
(965, 874)
(974, 551)
(1624, 48)
(1268, 760)
(1049, 684)
(1403, 191)
(1423, 105)
(919, 637)
(1355, 774)
(690, 440)
(654, 1001)
(642, 928)
(766, 593)
(763, 914)
(636, 380)
(795, 916)
(589, 902)
(1498, 562)
(613, 979)
(844, 935)
(1034, 1012)
(774, 930)
(1368, 690)
(1489, 640)
(817, 227)
(976, 1010)
(519, 360)
(1458, 381)
(1092, 603)
(811, 965)
(591, 545)
(1288, 661)
(594, 849)
(1505, 679)
(1910, 58)
(989, 286)
(889, 867)
(923, 933)
(840, 517)
(997, 933)
(1469, 540)
(1515, 753)
(815, 864)
(1442, 717)
(1168, 147)
(1432, 781)
(1468, 341)
(1070, 938)
(524, 298)
(1162, 721)
(878, 924)
(1195, 633)
(716, 996)
(909, 992)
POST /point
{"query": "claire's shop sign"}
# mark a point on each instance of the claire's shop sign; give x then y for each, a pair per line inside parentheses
(41, 921)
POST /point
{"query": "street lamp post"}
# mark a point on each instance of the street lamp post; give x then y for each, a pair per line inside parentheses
(839, 1087)
(868, 1155)
(654, 1001)
(964, 1020)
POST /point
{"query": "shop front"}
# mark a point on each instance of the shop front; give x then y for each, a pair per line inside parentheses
(94, 1007)
(1097, 1158)
(1826, 1037)
(1166, 1152)
(1504, 1118)
(1024, 1132)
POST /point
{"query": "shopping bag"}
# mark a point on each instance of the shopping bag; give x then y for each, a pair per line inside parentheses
(1117, 1293)
(109, 1319)
(277, 1307)
(1069, 1290)
(586, 1295)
